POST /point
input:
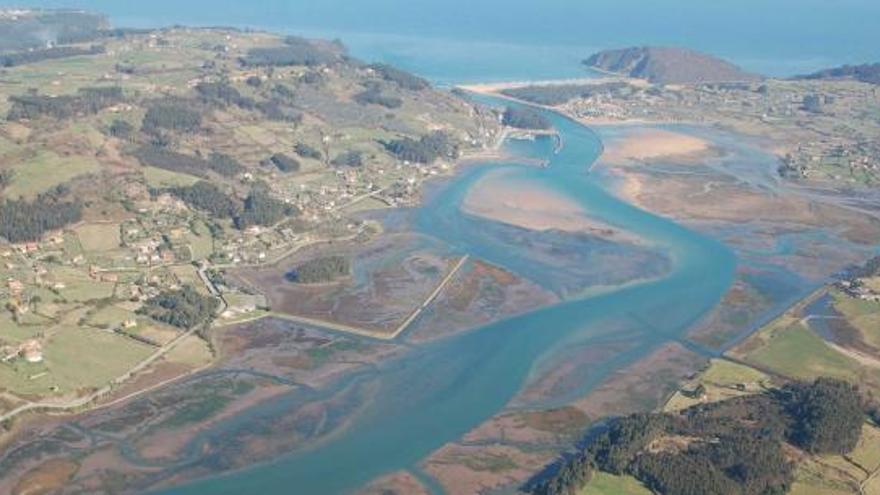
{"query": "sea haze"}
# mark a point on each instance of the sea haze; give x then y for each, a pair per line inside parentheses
(464, 41)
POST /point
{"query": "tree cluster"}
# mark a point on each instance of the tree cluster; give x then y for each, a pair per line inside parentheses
(403, 79)
(374, 96)
(209, 198)
(6, 176)
(567, 479)
(295, 51)
(306, 151)
(812, 103)
(869, 73)
(284, 92)
(121, 129)
(176, 115)
(352, 158)
(85, 101)
(224, 94)
(277, 110)
(258, 208)
(731, 447)
(183, 308)
(284, 163)
(828, 416)
(158, 157)
(312, 77)
(525, 118)
(225, 165)
(427, 149)
(34, 56)
(563, 93)
(22, 220)
(869, 269)
(262, 209)
(320, 270)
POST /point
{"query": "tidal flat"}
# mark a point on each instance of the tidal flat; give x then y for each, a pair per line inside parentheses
(391, 276)
(788, 240)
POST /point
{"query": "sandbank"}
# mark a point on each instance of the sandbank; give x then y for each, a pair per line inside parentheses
(530, 206)
(640, 145)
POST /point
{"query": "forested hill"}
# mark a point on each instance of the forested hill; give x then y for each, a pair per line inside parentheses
(749, 445)
(666, 65)
(868, 73)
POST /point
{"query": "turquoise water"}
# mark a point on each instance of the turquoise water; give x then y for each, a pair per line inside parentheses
(463, 40)
(437, 393)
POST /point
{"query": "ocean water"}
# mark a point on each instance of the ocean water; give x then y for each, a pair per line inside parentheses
(484, 40)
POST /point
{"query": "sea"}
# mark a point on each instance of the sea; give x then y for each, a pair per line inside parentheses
(457, 41)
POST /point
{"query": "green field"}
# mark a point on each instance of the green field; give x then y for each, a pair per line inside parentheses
(818, 476)
(98, 237)
(157, 177)
(79, 287)
(75, 361)
(867, 452)
(609, 484)
(13, 333)
(720, 380)
(784, 346)
(109, 317)
(7, 146)
(199, 240)
(46, 170)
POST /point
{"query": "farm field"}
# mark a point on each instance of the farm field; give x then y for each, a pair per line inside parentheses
(782, 346)
(98, 237)
(45, 170)
(76, 361)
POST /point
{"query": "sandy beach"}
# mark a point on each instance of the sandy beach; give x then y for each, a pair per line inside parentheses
(496, 87)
